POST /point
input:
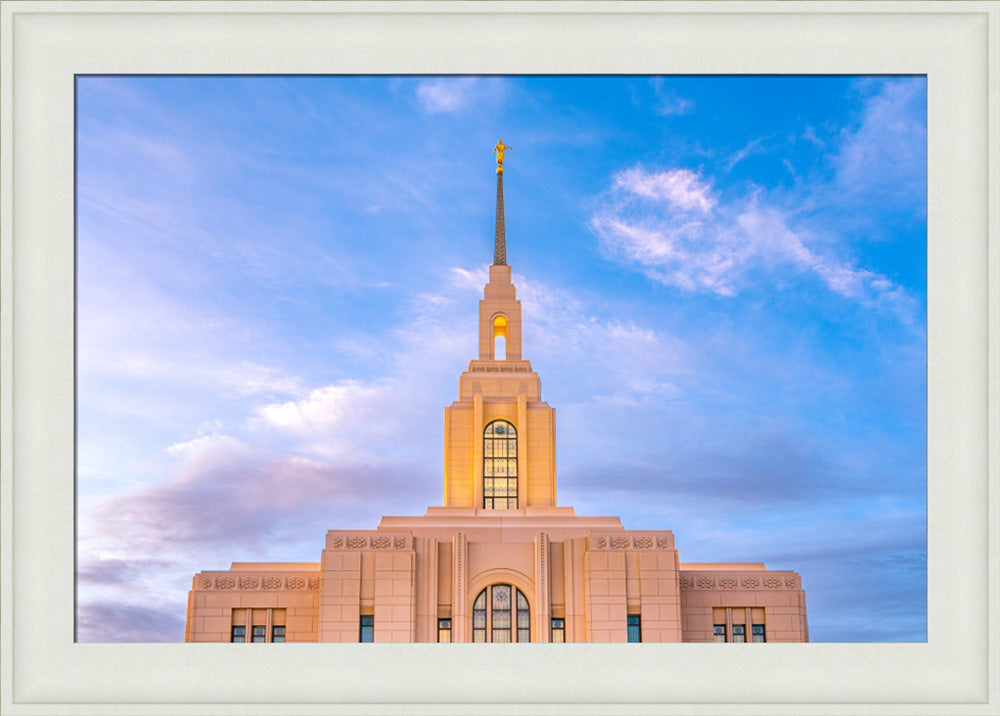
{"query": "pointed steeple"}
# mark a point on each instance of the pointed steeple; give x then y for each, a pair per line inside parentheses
(499, 240)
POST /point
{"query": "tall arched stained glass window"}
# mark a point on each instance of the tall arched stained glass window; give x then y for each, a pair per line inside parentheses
(500, 466)
(506, 617)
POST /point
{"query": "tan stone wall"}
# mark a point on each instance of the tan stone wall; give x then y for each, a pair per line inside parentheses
(340, 596)
(371, 573)
(215, 595)
(630, 572)
(458, 455)
(777, 593)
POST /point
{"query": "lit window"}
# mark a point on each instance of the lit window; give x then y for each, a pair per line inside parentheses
(500, 466)
(239, 634)
(739, 634)
(558, 631)
(523, 618)
(259, 635)
(277, 634)
(500, 338)
(758, 633)
(720, 633)
(367, 629)
(444, 630)
(634, 628)
(479, 618)
(508, 619)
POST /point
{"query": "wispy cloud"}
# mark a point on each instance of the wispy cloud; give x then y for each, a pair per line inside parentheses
(454, 94)
(883, 157)
(681, 189)
(668, 102)
(754, 146)
(672, 226)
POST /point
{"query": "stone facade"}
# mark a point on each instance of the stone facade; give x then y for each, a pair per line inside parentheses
(500, 560)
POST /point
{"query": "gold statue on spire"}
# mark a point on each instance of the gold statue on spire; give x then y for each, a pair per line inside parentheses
(499, 152)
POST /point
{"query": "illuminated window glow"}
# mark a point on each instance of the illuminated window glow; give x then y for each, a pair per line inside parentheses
(500, 337)
(500, 466)
(506, 620)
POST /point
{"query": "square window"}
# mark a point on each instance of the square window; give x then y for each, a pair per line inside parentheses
(758, 633)
(367, 629)
(278, 634)
(444, 631)
(239, 635)
(739, 634)
(634, 629)
(259, 634)
(720, 633)
(558, 631)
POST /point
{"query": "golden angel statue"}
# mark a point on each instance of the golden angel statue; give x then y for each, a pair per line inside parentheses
(499, 152)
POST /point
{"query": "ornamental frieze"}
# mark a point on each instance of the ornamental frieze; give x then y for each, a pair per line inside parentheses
(256, 583)
(369, 541)
(741, 582)
(630, 542)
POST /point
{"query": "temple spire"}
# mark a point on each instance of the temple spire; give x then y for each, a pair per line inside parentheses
(499, 239)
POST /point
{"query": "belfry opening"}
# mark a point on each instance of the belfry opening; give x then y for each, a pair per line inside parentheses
(500, 337)
(500, 560)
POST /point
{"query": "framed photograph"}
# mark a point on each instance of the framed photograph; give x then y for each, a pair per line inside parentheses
(239, 241)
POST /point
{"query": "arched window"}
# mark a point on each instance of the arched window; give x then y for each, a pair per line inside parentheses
(500, 466)
(505, 620)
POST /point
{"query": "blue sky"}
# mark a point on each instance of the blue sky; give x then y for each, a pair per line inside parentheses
(723, 282)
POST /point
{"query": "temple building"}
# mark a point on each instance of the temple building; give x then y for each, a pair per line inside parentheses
(501, 560)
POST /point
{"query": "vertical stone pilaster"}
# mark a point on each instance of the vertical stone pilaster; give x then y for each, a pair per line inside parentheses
(426, 571)
(477, 448)
(574, 550)
(522, 450)
(447, 457)
(543, 590)
(459, 631)
(552, 460)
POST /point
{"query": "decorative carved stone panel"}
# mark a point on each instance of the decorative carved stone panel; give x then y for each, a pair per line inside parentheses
(686, 583)
(620, 542)
(295, 583)
(314, 582)
(225, 583)
(728, 582)
(643, 542)
(357, 542)
(400, 543)
(338, 542)
(750, 583)
(602, 542)
(663, 542)
(249, 582)
(706, 582)
(381, 542)
(792, 582)
(772, 582)
(273, 582)
(207, 582)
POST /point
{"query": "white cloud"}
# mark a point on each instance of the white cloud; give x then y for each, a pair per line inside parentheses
(671, 225)
(884, 157)
(453, 94)
(681, 188)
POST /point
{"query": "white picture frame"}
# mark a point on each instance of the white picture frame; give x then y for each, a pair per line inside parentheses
(44, 44)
